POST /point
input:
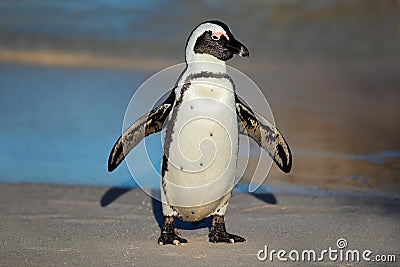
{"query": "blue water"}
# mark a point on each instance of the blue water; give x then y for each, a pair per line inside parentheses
(100, 19)
(58, 125)
(294, 27)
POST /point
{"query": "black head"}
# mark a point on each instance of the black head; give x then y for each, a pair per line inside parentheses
(213, 38)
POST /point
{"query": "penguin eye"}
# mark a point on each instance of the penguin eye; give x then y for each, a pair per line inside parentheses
(215, 37)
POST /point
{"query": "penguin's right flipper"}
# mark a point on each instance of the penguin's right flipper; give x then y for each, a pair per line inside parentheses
(149, 123)
(265, 134)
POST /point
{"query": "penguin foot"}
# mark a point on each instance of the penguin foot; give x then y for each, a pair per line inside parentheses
(169, 234)
(218, 232)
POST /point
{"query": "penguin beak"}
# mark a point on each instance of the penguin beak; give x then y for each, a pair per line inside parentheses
(237, 48)
(244, 52)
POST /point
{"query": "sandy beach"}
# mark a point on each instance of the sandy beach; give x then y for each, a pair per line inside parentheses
(343, 134)
(64, 225)
(328, 69)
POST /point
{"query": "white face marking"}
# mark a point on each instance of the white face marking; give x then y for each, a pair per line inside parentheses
(216, 30)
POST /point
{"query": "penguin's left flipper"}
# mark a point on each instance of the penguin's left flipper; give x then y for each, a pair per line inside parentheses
(149, 123)
(265, 135)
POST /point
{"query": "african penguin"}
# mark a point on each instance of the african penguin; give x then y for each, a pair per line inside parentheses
(202, 118)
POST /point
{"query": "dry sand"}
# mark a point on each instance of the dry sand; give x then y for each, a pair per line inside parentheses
(46, 225)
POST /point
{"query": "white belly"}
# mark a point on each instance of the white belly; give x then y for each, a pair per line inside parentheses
(202, 151)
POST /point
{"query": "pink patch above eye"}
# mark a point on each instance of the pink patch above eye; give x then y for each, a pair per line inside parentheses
(219, 34)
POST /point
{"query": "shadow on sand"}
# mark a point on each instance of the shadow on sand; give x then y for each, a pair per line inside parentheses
(114, 193)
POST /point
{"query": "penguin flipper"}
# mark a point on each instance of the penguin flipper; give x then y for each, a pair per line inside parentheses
(149, 123)
(265, 135)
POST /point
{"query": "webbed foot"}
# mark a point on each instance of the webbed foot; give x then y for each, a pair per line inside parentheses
(218, 232)
(169, 234)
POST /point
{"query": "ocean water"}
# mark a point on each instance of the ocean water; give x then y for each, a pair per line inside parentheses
(58, 124)
(291, 28)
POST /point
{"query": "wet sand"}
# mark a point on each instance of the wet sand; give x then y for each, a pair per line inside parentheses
(340, 120)
(66, 58)
(64, 225)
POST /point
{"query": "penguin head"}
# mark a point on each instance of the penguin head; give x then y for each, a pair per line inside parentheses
(213, 41)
